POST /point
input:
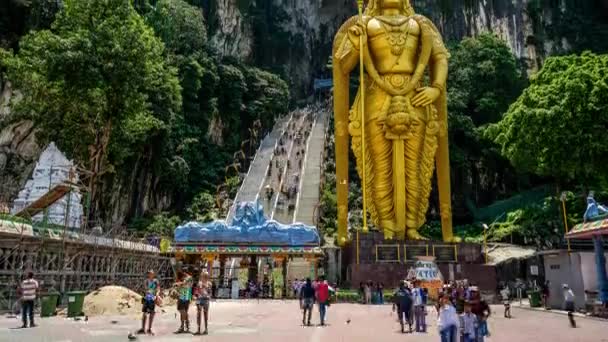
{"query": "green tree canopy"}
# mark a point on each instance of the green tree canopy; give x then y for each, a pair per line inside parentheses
(558, 126)
(97, 82)
(484, 78)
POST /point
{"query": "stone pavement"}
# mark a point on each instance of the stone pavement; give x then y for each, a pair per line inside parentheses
(270, 321)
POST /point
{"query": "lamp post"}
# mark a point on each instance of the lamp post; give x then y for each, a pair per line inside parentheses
(562, 198)
(485, 242)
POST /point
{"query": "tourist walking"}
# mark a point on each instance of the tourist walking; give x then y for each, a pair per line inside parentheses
(29, 291)
(307, 301)
(151, 293)
(468, 323)
(505, 293)
(569, 304)
(380, 293)
(322, 291)
(294, 286)
(184, 290)
(448, 320)
(402, 302)
(481, 309)
(368, 292)
(203, 297)
(418, 297)
(545, 292)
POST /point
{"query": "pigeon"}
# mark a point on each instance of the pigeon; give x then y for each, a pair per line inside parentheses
(114, 322)
(348, 321)
(132, 337)
(86, 318)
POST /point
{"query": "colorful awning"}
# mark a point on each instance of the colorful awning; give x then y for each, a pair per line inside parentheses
(589, 229)
(248, 250)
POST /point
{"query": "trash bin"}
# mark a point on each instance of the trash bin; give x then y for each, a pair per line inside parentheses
(48, 304)
(535, 299)
(75, 303)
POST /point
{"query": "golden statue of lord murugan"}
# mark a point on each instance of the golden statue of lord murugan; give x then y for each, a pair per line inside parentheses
(397, 123)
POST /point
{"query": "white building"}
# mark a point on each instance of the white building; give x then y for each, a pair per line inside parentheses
(51, 169)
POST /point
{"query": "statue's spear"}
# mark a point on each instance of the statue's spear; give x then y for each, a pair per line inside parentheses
(362, 103)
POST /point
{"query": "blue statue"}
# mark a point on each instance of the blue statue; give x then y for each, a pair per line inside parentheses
(594, 211)
(249, 226)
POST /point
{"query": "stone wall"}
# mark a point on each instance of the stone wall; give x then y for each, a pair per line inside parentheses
(465, 252)
(390, 275)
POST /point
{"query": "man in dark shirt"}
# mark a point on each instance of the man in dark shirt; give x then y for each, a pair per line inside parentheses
(402, 301)
(307, 301)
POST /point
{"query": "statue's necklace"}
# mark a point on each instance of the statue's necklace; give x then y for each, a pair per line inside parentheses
(396, 36)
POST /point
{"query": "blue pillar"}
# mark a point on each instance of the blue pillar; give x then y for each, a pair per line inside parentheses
(600, 263)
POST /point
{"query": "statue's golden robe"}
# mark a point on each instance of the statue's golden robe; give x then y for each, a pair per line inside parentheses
(403, 142)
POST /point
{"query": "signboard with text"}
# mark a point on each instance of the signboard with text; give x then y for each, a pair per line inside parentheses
(412, 252)
(387, 253)
(426, 271)
(445, 253)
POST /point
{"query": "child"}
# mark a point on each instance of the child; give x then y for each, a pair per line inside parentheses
(152, 290)
(468, 322)
(184, 293)
(203, 296)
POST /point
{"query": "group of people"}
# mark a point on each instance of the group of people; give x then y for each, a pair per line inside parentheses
(283, 163)
(369, 289)
(410, 303)
(461, 312)
(186, 290)
(463, 315)
(311, 293)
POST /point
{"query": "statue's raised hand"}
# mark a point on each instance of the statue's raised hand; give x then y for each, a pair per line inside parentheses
(355, 33)
(425, 96)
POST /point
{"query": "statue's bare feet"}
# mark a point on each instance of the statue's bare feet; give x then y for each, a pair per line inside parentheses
(412, 234)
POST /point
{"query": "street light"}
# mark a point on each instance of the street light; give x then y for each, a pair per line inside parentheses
(562, 198)
(485, 241)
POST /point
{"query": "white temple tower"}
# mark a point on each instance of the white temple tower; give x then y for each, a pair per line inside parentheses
(51, 169)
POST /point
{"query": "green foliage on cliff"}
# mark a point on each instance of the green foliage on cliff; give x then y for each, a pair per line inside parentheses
(558, 126)
(484, 79)
(97, 84)
(131, 92)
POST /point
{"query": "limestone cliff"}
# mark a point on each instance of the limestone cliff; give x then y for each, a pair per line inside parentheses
(294, 37)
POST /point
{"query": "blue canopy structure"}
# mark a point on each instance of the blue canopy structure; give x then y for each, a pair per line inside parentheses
(248, 227)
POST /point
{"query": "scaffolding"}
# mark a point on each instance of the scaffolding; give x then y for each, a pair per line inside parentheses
(64, 260)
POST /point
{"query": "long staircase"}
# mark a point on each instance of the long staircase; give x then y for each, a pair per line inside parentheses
(309, 194)
(254, 180)
(286, 171)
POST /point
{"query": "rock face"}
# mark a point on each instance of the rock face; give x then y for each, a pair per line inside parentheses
(18, 154)
(294, 37)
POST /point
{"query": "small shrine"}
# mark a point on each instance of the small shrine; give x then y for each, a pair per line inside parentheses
(262, 248)
(52, 169)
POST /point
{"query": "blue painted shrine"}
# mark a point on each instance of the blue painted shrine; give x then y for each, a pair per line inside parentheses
(249, 226)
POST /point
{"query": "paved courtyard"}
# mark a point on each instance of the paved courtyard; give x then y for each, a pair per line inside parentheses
(269, 321)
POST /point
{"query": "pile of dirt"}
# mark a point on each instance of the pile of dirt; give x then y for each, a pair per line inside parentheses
(112, 300)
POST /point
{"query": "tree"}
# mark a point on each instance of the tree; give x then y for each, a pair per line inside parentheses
(484, 78)
(203, 207)
(558, 126)
(97, 82)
